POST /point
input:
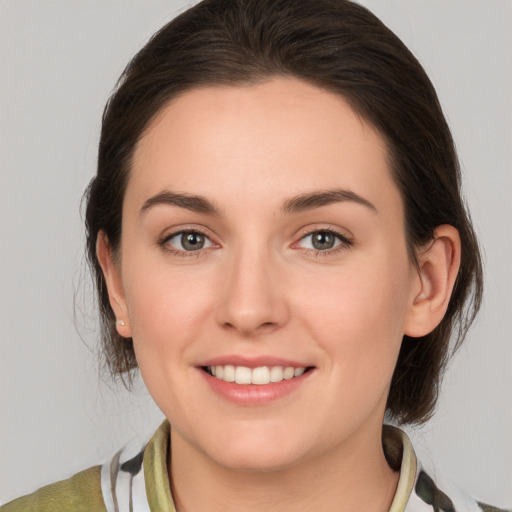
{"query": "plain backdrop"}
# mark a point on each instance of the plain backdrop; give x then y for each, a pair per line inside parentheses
(59, 59)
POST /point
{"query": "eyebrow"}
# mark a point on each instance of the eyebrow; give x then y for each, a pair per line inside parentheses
(296, 204)
(191, 202)
(314, 200)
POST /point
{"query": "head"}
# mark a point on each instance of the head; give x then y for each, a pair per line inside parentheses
(341, 49)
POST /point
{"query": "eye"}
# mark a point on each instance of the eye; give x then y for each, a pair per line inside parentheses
(323, 240)
(188, 241)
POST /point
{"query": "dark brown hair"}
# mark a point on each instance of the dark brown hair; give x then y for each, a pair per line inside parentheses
(334, 44)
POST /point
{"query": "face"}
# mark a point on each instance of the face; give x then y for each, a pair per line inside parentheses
(263, 241)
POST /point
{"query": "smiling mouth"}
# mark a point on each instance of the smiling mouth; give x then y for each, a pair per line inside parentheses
(260, 375)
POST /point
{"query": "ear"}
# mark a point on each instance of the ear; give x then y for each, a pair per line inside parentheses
(112, 275)
(438, 265)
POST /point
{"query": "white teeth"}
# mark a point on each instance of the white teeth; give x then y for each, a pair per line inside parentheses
(242, 375)
(298, 372)
(229, 373)
(288, 373)
(260, 375)
(276, 374)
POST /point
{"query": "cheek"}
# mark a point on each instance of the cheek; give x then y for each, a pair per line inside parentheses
(168, 314)
(168, 310)
(358, 314)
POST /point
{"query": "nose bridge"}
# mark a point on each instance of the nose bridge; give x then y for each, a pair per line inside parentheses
(252, 300)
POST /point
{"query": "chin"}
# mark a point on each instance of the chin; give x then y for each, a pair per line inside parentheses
(258, 459)
(253, 449)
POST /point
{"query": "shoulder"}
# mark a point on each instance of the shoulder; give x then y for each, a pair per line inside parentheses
(421, 490)
(80, 493)
(442, 494)
(134, 478)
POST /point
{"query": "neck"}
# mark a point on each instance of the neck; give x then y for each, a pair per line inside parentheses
(338, 480)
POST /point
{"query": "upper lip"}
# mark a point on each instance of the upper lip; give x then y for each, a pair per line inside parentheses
(253, 362)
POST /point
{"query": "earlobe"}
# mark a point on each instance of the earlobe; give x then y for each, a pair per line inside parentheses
(438, 265)
(114, 284)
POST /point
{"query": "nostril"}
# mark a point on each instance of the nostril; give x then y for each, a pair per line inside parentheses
(249, 327)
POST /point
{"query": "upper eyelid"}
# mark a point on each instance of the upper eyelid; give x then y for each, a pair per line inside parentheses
(345, 244)
(303, 233)
(325, 230)
(343, 234)
(342, 241)
(164, 244)
(178, 231)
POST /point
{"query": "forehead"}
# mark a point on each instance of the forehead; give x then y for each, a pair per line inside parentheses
(267, 141)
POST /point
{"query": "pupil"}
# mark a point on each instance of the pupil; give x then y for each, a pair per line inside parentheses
(192, 241)
(323, 240)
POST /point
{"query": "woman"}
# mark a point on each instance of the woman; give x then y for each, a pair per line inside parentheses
(267, 249)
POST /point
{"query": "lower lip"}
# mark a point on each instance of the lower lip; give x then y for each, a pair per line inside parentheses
(254, 394)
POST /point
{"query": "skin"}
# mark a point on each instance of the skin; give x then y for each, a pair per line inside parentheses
(259, 288)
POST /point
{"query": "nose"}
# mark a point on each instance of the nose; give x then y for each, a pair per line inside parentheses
(253, 296)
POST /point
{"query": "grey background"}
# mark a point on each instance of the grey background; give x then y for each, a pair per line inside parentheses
(59, 59)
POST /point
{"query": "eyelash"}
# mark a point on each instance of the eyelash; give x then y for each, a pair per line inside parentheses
(164, 243)
(344, 244)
